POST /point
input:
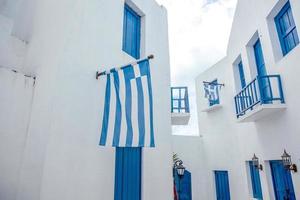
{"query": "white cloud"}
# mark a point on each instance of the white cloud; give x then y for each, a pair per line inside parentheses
(198, 36)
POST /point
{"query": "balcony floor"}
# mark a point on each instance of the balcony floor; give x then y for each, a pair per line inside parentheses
(180, 118)
(261, 111)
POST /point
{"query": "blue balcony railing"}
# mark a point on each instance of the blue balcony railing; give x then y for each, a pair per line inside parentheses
(262, 90)
(180, 100)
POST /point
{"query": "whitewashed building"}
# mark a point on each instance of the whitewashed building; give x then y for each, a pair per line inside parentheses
(51, 104)
(256, 111)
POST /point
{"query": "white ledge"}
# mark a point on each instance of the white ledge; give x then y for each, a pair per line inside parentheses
(261, 111)
(180, 118)
(212, 108)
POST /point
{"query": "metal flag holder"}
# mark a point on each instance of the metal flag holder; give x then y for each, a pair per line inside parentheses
(124, 66)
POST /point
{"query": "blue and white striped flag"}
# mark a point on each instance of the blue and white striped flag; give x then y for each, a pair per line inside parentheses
(211, 91)
(128, 108)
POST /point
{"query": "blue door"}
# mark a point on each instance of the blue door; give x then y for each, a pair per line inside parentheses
(183, 185)
(222, 185)
(282, 181)
(255, 180)
(264, 84)
(128, 173)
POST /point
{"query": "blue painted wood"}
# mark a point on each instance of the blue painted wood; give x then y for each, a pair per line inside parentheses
(128, 173)
(183, 185)
(242, 74)
(264, 86)
(255, 180)
(180, 102)
(286, 29)
(222, 185)
(131, 32)
(282, 181)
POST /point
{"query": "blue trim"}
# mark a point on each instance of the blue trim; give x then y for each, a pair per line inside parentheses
(255, 180)
(128, 171)
(131, 32)
(249, 97)
(282, 181)
(286, 29)
(242, 74)
(182, 97)
(222, 185)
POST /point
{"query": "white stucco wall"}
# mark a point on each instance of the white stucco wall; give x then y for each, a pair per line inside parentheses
(228, 144)
(69, 42)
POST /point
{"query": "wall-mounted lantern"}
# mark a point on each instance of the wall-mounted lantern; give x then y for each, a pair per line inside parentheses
(287, 162)
(255, 162)
(179, 168)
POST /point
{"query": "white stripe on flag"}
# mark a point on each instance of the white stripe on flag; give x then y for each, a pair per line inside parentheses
(112, 112)
(136, 70)
(146, 111)
(122, 92)
(134, 113)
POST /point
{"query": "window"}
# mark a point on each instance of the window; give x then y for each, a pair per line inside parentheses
(222, 185)
(242, 75)
(131, 32)
(180, 100)
(214, 97)
(286, 29)
(255, 180)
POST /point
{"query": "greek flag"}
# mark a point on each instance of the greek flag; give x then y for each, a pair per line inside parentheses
(128, 108)
(211, 91)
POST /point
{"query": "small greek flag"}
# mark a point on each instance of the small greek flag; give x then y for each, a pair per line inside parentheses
(128, 108)
(211, 91)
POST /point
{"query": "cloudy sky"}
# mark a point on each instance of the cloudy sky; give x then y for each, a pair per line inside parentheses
(198, 36)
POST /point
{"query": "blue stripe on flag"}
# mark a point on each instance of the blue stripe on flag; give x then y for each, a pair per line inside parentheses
(141, 115)
(145, 70)
(118, 116)
(106, 112)
(128, 74)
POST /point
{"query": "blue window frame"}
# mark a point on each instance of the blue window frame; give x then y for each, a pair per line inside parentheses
(179, 100)
(242, 74)
(216, 100)
(255, 180)
(131, 32)
(222, 185)
(128, 173)
(286, 28)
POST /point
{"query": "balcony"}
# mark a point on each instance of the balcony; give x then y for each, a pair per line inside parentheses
(180, 109)
(262, 97)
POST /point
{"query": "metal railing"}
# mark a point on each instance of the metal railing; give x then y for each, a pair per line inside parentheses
(262, 90)
(180, 100)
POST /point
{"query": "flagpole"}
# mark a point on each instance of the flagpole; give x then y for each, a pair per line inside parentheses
(210, 83)
(124, 66)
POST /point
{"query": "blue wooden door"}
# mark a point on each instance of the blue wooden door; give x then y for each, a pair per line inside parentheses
(255, 180)
(264, 84)
(222, 185)
(128, 173)
(184, 185)
(282, 181)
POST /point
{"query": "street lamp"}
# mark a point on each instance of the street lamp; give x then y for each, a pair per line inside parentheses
(287, 162)
(180, 169)
(255, 162)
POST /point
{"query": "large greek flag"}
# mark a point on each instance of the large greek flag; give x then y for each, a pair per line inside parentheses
(128, 108)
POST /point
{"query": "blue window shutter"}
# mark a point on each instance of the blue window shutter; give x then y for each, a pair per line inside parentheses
(286, 28)
(242, 74)
(282, 181)
(222, 185)
(255, 180)
(131, 32)
(128, 173)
